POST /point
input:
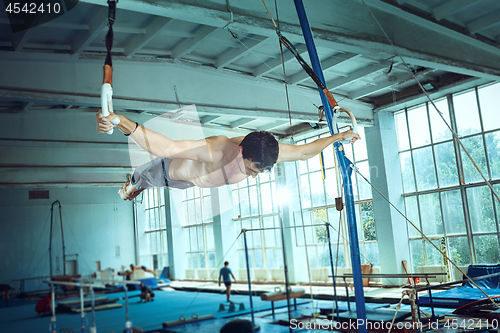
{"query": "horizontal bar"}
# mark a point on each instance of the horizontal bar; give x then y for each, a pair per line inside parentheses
(109, 281)
(32, 278)
(74, 284)
(398, 276)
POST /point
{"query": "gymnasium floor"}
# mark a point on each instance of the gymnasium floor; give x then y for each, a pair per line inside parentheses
(169, 304)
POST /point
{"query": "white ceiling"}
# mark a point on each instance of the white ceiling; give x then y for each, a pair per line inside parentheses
(224, 58)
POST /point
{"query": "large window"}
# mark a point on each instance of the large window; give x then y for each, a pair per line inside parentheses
(445, 195)
(318, 207)
(200, 246)
(156, 232)
(255, 207)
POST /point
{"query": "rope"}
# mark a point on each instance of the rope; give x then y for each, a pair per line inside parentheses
(426, 238)
(396, 314)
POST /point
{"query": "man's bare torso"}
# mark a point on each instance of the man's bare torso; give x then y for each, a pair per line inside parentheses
(225, 166)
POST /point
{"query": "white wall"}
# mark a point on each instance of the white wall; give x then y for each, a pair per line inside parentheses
(98, 226)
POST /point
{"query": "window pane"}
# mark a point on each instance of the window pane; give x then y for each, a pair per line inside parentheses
(314, 163)
(360, 151)
(267, 200)
(466, 113)
(413, 216)
(439, 130)
(453, 212)
(475, 147)
(402, 131)
(424, 169)
(317, 191)
(331, 185)
(270, 258)
(329, 158)
(489, 100)
(236, 204)
(486, 248)
(258, 259)
(407, 171)
(446, 164)
(253, 201)
(207, 209)
(417, 254)
(495, 200)
(211, 262)
(458, 248)
(493, 149)
(365, 190)
(481, 209)
(369, 231)
(372, 253)
(209, 230)
(434, 257)
(419, 127)
(306, 196)
(201, 242)
(432, 224)
(244, 202)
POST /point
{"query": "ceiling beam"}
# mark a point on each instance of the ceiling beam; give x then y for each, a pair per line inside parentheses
(485, 22)
(245, 47)
(207, 119)
(272, 125)
(275, 64)
(241, 122)
(151, 31)
(451, 7)
(370, 69)
(389, 81)
(20, 39)
(325, 65)
(96, 26)
(189, 44)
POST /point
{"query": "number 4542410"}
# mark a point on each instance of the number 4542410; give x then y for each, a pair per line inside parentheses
(33, 8)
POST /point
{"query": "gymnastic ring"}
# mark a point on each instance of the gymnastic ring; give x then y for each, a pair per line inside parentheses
(194, 315)
(277, 289)
(182, 318)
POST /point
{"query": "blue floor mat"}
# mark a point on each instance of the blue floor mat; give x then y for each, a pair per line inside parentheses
(456, 297)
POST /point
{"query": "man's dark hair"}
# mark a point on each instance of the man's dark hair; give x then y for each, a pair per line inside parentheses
(261, 148)
(226, 263)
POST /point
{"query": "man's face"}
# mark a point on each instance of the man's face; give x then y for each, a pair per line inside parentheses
(252, 168)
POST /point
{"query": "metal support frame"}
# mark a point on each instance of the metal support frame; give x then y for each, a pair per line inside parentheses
(346, 173)
(248, 277)
(62, 236)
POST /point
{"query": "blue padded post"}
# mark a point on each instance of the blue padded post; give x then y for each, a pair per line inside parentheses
(346, 173)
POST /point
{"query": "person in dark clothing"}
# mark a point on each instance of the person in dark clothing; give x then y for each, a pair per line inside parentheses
(146, 293)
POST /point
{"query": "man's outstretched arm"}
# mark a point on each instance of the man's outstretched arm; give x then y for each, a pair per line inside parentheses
(289, 153)
(157, 144)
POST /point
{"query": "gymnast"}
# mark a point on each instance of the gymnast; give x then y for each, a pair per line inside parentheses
(210, 162)
(206, 163)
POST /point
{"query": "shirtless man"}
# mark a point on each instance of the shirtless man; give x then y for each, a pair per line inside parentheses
(210, 162)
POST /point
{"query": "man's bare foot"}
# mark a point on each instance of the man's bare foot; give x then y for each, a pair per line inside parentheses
(129, 191)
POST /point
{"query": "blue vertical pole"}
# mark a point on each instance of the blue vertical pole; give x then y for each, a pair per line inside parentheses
(248, 277)
(346, 174)
(333, 275)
